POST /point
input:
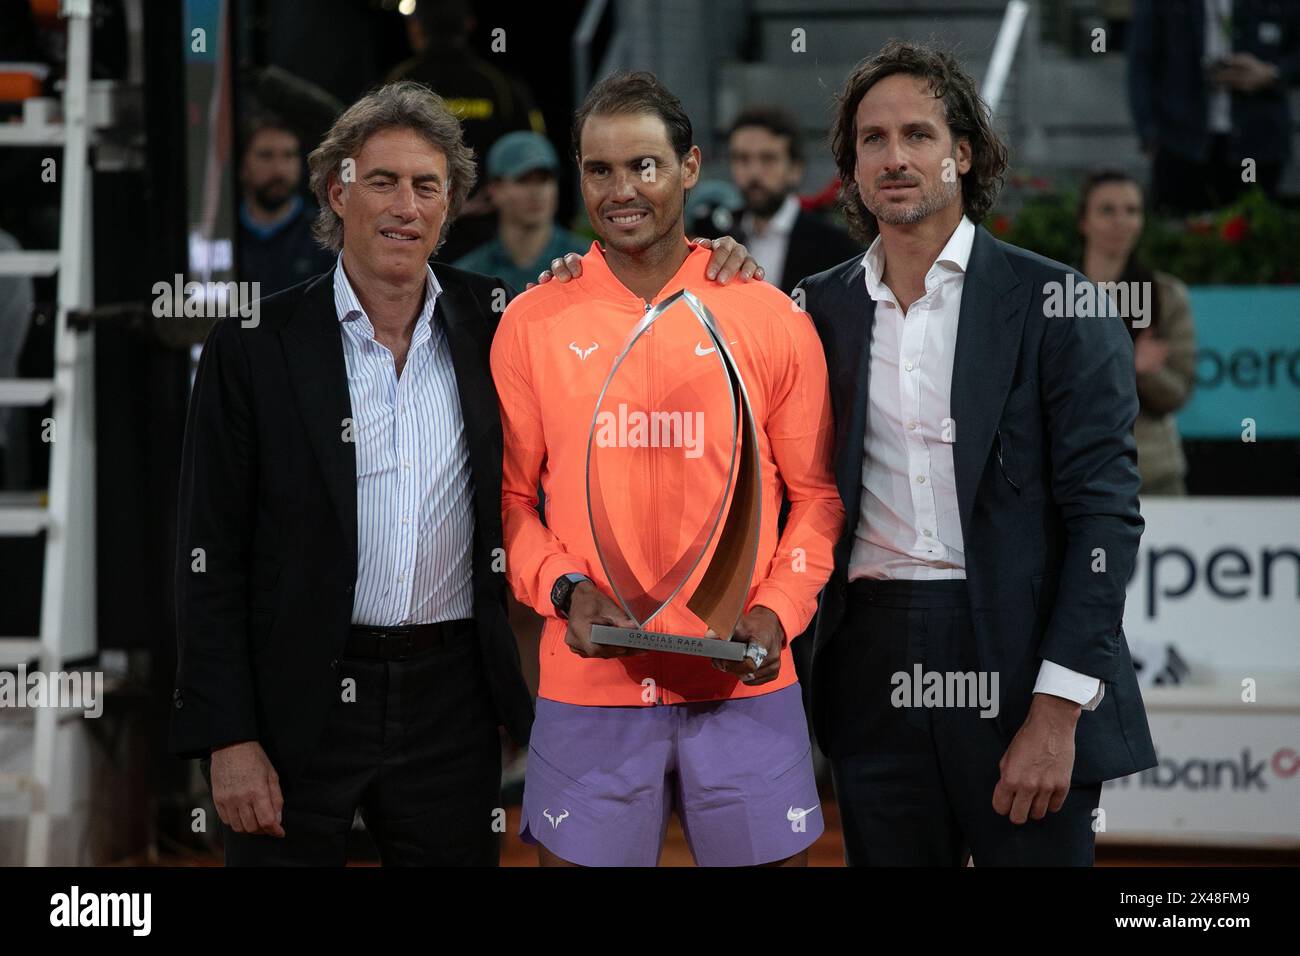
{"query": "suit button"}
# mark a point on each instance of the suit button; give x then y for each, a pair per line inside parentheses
(349, 589)
(179, 700)
(334, 664)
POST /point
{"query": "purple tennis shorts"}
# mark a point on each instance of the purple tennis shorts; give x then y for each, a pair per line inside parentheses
(601, 781)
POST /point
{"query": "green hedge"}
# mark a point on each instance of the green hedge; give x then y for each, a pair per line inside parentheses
(1251, 242)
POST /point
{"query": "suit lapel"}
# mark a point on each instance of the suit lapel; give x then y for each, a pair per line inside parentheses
(313, 351)
(989, 328)
(469, 336)
(861, 310)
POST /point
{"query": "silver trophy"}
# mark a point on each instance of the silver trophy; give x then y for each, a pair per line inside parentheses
(733, 503)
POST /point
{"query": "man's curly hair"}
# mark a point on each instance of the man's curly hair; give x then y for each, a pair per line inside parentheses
(965, 112)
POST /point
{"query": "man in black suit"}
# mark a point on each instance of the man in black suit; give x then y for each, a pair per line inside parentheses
(1208, 87)
(343, 642)
(971, 680)
(766, 153)
(342, 634)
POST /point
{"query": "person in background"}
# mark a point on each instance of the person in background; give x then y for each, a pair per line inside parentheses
(766, 166)
(276, 247)
(713, 208)
(1110, 220)
(523, 188)
(1208, 83)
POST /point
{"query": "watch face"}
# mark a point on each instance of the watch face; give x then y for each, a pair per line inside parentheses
(560, 591)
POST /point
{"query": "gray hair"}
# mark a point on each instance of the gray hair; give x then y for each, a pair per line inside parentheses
(403, 105)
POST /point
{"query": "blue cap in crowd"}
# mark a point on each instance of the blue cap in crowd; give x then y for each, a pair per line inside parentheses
(518, 153)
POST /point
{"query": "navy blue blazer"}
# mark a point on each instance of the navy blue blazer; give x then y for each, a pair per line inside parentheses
(1058, 397)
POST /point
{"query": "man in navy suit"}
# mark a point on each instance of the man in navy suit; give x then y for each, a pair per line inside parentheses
(971, 680)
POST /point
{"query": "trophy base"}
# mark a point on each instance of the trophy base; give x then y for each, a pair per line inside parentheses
(670, 643)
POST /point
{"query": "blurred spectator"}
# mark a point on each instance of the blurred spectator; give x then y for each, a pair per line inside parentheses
(488, 103)
(766, 166)
(1111, 220)
(276, 247)
(713, 209)
(1208, 86)
(523, 188)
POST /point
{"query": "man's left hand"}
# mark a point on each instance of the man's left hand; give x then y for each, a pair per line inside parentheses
(1037, 766)
(760, 626)
(728, 260)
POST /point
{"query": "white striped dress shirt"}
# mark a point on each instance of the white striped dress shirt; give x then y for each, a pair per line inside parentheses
(415, 519)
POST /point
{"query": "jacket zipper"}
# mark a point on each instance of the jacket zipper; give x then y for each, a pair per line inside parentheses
(653, 481)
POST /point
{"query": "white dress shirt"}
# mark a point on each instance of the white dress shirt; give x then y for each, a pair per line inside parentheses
(415, 518)
(769, 248)
(1217, 46)
(908, 524)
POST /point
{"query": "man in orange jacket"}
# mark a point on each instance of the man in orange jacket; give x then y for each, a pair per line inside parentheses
(622, 737)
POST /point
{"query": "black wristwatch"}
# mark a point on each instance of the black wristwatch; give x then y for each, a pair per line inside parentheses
(562, 593)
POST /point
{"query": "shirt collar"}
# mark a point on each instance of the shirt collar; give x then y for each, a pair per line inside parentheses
(952, 259)
(267, 230)
(348, 306)
(598, 277)
(781, 223)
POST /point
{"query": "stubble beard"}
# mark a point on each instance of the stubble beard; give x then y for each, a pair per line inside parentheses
(931, 202)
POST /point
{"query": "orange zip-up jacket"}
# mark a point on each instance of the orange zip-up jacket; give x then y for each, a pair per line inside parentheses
(550, 358)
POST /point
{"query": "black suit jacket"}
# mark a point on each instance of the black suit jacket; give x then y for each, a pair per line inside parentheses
(1058, 397)
(1168, 88)
(815, 245)
(268, 491)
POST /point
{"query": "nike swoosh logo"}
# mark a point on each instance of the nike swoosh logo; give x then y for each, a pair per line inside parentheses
(792, 814)
(700, 351)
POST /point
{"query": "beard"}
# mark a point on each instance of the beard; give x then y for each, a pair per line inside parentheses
(274, 194)
(763, 203)
(931, 201)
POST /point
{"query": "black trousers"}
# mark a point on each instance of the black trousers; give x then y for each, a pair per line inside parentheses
(915, 784)
(416, 749)
(1180, 186)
